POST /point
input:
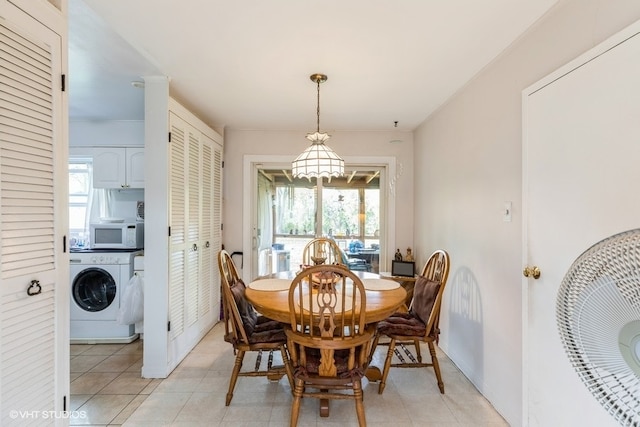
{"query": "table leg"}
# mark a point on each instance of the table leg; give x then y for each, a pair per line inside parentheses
(373, 374)
(324, 407)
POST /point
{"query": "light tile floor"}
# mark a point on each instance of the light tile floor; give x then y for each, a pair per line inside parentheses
(106, 390)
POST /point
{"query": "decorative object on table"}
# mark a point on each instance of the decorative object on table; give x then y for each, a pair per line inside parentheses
(325, 278)
(598, 318)
(318, 260)
(420, 324)
(318, 160)
(321, 250)
(329, 344)
(247, 331)
(355, 246)
(409, 256)
(398, 256)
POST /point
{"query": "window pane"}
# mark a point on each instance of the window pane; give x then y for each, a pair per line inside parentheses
(372, 212)
(340, 212)
(78, 182)
(294, 210)
(76, 218)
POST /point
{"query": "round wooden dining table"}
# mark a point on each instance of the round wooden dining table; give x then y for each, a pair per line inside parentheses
(273, 301)
(269, 295)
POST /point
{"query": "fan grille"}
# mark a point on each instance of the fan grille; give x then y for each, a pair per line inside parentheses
(598, 316)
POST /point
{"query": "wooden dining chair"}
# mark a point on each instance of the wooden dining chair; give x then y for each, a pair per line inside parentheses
(328, 340)
(248, 331)
(321, 250)
(419, 324)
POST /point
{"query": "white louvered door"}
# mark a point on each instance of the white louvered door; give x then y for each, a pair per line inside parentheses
(194, 245)
(32, 221)
(195, 185)
(178, 223)
(206, 261)
(216, 231)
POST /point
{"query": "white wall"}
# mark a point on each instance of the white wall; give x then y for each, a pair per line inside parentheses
(470, 157)
(239, 143)
(108, 132)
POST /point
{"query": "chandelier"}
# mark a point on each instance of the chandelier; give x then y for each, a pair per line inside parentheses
(318, 160)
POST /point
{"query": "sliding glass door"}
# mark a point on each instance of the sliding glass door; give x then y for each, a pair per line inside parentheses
(347, 209)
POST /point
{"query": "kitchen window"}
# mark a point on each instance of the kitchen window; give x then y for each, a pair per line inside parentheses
(80, 190)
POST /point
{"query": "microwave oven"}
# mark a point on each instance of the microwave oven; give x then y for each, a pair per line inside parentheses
(116, 235)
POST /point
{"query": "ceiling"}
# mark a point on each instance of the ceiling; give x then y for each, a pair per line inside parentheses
(245, 64)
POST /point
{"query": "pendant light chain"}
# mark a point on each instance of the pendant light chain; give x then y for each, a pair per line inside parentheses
(318, 109)
(318, 160)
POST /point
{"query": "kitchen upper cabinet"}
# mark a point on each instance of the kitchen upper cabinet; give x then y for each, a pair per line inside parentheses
(118, 167)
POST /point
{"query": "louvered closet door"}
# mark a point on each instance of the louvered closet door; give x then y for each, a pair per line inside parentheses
(206, 250)
(211, 187)
(178, 223)
(30, 121)
(216, 232)
(186, 245)
(194, 245)
(195, 207)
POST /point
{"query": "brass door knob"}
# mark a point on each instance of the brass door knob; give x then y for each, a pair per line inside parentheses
(531, 272)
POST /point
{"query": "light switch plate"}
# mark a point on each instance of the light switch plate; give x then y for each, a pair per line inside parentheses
(506, 212)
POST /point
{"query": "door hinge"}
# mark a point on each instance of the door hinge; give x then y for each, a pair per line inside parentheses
(223, 164)
(63, 81)
(64, 403)
(169, 231)
(221, 226)
(64, 244)
(169, 136)
(169, 326)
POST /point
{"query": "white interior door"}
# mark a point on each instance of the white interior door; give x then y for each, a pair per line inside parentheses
(34, 272)
(581, 154)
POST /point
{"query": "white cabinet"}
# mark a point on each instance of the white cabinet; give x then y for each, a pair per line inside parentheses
(118, 167)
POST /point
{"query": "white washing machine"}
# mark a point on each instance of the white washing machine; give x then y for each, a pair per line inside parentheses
(97, 280)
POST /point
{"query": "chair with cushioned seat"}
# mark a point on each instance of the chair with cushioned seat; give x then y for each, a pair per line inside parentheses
(420, 324)
(328, 340)
(354, 264)
(248, 331)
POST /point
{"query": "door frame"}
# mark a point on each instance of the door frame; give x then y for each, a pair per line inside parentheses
(249, 217)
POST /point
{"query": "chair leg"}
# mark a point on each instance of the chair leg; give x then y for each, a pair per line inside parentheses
(436, 366)
(287, 366)
(416, 344)
(295, 405)
(374, 345)
(234, 376)
(357, 393)
(387, 365)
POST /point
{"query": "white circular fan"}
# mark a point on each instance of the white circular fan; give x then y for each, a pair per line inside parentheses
(598, 315)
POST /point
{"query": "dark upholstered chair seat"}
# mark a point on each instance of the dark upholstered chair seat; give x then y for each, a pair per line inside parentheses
(265, 331)
(403, 324)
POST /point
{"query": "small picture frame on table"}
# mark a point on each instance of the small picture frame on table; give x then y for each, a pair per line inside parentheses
(403, 268)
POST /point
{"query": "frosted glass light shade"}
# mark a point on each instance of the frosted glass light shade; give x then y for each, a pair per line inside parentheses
(318, 160)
